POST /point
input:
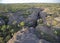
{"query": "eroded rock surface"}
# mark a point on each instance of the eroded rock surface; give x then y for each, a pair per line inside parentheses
(28, 34)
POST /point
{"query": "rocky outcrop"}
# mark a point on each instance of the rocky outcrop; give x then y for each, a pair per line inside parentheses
(44, 29)
(18, 16)
(46, 33)
(31, 20)
(27, 38)
(26, 35)
(34, 33)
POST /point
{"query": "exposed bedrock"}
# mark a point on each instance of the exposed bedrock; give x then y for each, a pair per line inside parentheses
(31, 20)
(28, 34)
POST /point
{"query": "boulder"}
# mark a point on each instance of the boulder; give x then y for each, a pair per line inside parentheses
(44, 29)
(46, 33)
(15, 18)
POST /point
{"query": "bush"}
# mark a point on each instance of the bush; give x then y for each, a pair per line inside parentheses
(57, 32)
(22, 24)
(39, 21)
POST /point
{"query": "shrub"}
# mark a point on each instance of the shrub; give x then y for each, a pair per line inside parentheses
(39, 21)
(57, 32)
(22, 24)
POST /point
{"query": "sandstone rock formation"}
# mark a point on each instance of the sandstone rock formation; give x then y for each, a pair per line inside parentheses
(31, 20)
(28, 34)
